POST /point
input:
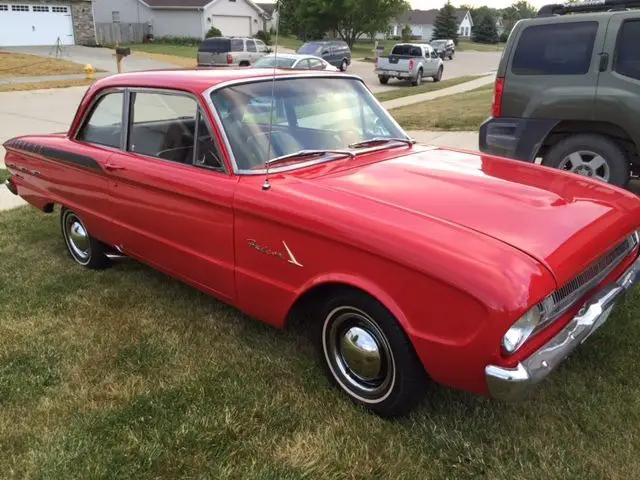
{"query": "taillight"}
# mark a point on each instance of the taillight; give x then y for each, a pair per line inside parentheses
(496, 104)
(410, 64)
(229, 58)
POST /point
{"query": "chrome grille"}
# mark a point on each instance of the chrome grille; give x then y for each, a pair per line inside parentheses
(566, 296)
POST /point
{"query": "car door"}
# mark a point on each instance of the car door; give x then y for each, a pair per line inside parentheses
(430, 63)
(171, 191)
(316, 64)
(252, 51)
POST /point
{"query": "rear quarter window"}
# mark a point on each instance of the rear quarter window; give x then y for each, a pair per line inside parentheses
(627, 57)
(237, 45)
(555, 49)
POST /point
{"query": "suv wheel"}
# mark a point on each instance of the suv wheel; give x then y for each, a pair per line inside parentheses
(590, 155)
(418, 80)
(438, 76)
(343, 65)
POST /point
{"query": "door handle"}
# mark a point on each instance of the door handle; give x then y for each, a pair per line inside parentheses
(604, 61)
(113, 168)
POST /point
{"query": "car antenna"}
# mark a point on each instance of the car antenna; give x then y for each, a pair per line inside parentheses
(266, 185)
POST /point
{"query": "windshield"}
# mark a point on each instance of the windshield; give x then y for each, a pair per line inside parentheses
(308, 114)
(310, 48)
(271, 62)
(438, 43)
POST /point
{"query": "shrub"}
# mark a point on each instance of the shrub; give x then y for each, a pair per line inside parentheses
(213, 32)
(406, 33)
(169, 40)
(264, 36)
(504, 36)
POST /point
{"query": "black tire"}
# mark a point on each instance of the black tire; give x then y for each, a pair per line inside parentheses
(401, 379)
(438, 76)
(344, 65)
(451, 56)
(84, 249)
(616, 161)
(418, 80)
(383, 80)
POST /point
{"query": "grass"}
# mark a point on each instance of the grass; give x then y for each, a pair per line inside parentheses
(427, 86)
(466, 46)
(184, 51)
(4, 174)
(126, 373)
(21, 65)
(462, 112)
(19, 87)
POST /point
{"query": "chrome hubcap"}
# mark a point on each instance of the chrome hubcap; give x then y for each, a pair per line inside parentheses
(359, 354)
(587, 164)
(77, 237)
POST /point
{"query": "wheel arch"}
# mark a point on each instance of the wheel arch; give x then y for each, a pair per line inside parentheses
(321, 287)
(566, 128)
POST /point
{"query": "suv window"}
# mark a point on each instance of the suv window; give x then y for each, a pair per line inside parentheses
(104, 125)
(251, 46)
(237, 45)
(627, 56)
(169, 126)
(555, 49)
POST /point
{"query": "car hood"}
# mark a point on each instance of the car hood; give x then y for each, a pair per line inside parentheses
(563, 221)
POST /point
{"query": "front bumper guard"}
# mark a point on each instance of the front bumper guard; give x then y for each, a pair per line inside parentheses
(515, 383)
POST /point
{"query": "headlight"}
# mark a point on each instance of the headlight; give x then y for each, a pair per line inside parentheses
(522, 329)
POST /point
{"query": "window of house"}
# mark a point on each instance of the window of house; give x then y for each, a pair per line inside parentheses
(115, 16)
(40, 8)
(171, 127)
(104, 124)
(59, 9)
(4, 8)
(555, 49)
(627, 56)
(19, 8)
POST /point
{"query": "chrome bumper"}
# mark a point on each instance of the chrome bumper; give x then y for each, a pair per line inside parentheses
(515, 383)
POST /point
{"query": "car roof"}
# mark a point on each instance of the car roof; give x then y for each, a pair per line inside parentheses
(292, 56)
(196, 80)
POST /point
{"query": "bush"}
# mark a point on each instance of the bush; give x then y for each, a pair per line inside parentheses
(504, 36)
(264, 36)
(213, 32)
(406, 33)
(169, 40)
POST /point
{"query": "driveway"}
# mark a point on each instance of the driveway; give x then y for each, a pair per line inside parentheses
(101, 58)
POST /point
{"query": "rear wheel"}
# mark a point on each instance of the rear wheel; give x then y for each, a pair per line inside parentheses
(438, 76)
(367, 355)
(383, 80)
(418, 80)
(84, 249)
(343, 65)
(590, 155)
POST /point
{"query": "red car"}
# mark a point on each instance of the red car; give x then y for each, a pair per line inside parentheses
(414, 262)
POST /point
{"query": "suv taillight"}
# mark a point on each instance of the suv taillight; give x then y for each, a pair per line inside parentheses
(496, 104)
(410, 64)
(229, 58)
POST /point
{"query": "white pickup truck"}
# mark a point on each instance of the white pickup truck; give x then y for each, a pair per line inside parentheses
(412, 61)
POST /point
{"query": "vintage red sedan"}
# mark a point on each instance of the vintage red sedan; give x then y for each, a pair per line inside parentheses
(281, 192)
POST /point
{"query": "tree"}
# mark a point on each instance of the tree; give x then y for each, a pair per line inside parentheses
(485, 31)
(519, 10)
(478, 13)
(446, 24)
(406, 34)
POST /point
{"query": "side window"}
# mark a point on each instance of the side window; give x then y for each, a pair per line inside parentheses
(260, 45)
(104, 124)
(303, 64)
(170, 127)
(251, 46)
(237, 45)
(627, 57)
(555, 49)
(315, 64)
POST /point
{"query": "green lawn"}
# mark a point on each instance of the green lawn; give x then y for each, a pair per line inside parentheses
(126, 373)
(464, 111)
(4, 174)
(479, 47)
(427, 86)
(164, 49)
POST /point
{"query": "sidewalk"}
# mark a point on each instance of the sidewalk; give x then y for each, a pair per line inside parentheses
(423, 97)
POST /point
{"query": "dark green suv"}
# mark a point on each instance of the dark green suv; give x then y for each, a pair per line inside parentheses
(568, 91)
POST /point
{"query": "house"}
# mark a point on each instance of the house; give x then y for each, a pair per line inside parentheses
(184, 18)
(46, 23)
(271, 16)
(422, 23)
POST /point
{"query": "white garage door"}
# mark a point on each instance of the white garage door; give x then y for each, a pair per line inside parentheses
(28, 24)
(233, 26)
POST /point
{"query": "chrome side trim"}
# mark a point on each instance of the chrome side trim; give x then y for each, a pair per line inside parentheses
(515, 383)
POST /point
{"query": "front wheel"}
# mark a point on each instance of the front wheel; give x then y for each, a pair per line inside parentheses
(591, 155)
(366, 354)
(343, 65)
(84, 249)
(438, 76)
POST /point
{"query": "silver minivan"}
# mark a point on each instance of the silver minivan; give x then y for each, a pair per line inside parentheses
(230, 51)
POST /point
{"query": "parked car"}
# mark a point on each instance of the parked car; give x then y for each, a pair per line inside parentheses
(444, 48)
(230, 51)
(357, 226)
(410, 61)
(294, 62)
(335, 52)
(566, 91)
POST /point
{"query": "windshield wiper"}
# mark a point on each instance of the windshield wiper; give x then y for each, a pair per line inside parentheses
(308, 153)
(371, 141)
